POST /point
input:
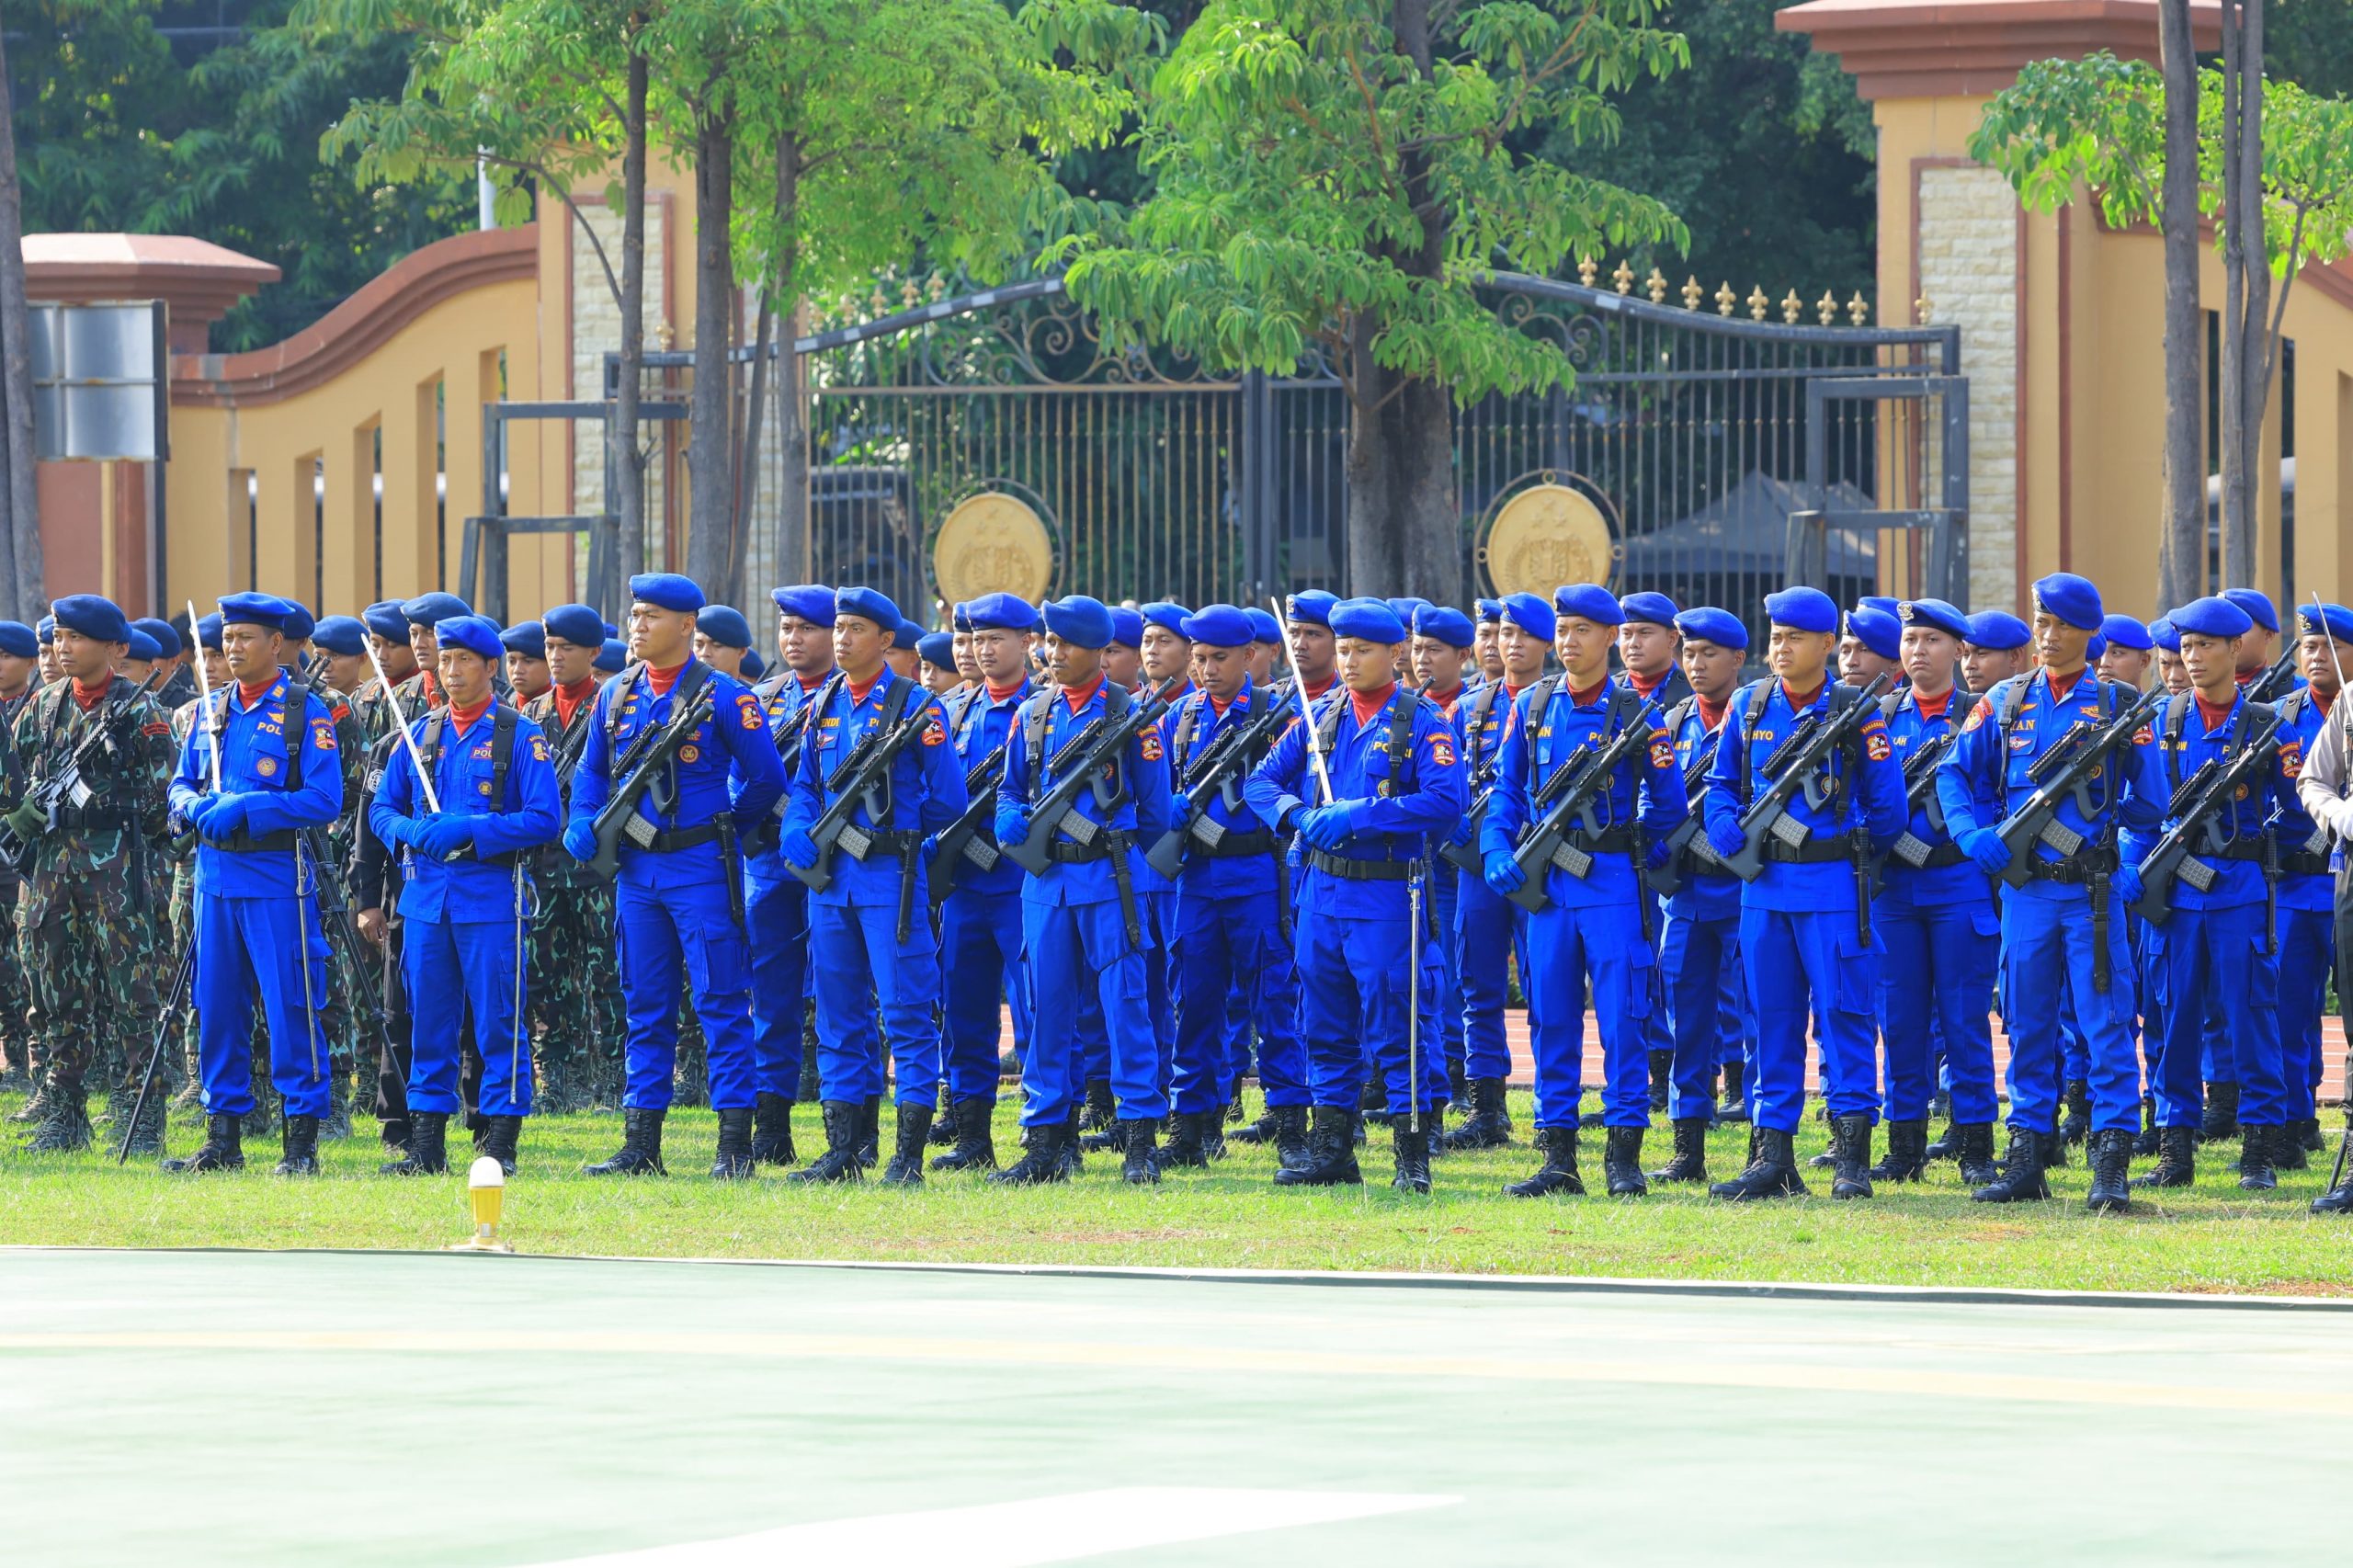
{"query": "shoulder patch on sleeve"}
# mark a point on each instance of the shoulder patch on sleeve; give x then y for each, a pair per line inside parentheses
(1978, 715)
(747, 710)
(1151, 739)
(1661, 753)
(935, 734)
(1442, 747)
(1876, 744)
(323, 733)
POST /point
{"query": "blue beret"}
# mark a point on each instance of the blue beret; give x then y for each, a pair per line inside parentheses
(667, 590)
(614, 658)
(385, 619)
(349, 636)
(1219, 626)
(143, 646)
(300, 623)
(1801, 610)
(611, 630)
(256, 609)
(1079, 620)
(525, 637)
(1876, 630)
(1591, 601)
(2164, 634)
(725, 625)
(19, 641)
(2095, 648)
(812, 602)
(2123, 632)
(959, 616)
(1878, 602)
(1935, 613)
(1999, 631)
(1311, 604)
(866, 604)
(575, 624)
(1450, 627)
(431, 610)
(95, 617)
(475, 633)
(45, 632)
(2217, 615)
(2071, 598)
(2335, 621)
(1491, 609)
(1653, 607)
(754, 665)
(1000, 612)
(910, 633)
(1709, 624)
(1164, 613)
(208, 631)
(937, 649)
(2257, 606)
(1406, 605)
(1264, 627)
(1531, 615)
(1370, 619)
(1127, 628)
(167, 635)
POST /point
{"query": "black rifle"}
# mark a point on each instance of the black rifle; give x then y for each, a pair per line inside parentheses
(2276, 682)
(1919, 793)
(1566, 798)
(58, 783)
(652, 749)
(1215, 774)
(1057, 811)
(2213, 788)
(971, 838)
(1463, 854)
(336, 917)
(1796, 764)
(181, 992)
(1691, 835)
(858, 781)
(2068, 769)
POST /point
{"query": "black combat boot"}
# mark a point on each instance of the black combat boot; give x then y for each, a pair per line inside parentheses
(975, 1146)
(1559, 1171)
(428, 1133)
(1736, 1092)
(2287, 1147)
(1621, 1162)
(1946, 1145)
(36, 1105)
(2221, 1114)
(1073, 1156)
(2111, 1162)
(1098, 1118)
(1138, 1166)
(299, 1156)
(2145, 1143)
(1662, 1078)
(844, 1142)
(734, 1160)
(1260, 1132)
(809, 1090)
(223, 1149)
(641, 1150)
(1458, 1082)
(500, 1141)
(1851, 1138)
(943, 1125)
(1410, 1149)
(1372, 1108)
(147, 1128)
(2176, 1159)
(2308, 1138)
(1977, 1155)
(1772, 1172)
(1184, 1148)
(337, 1125)
(2025, 1170)
(1331, 1157)
(870, 1146)
(1487, 1126)
(2077, 1099)
(64, 1124)
(1907, 1152)
(1290, 1135)
(905, 1168)
(2338, 1199)
(1940, 1104)
(1043, 1162)
(1214, 1134)
(1691, 1161)
(771, 1130)
(2256, 1171)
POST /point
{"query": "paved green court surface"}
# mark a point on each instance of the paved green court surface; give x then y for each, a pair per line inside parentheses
(395, 1408)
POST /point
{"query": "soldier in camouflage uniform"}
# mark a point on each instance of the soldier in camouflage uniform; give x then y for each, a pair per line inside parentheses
(335, 670)
(19, 656)
(375, 878)
(181, 854)
(89, 934)
(45, 675)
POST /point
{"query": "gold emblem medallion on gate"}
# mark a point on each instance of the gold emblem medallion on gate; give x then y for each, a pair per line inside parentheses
(993, 543)
(1546, 535)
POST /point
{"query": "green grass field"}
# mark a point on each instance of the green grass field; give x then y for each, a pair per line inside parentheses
(2212, 1237)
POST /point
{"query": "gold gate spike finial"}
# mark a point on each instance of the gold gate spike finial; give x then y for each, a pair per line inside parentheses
(1586, 267)
(1791, 306)
(1693, 293)
(1829, 306)
(1859, 310)
(1725, 299)
(1757, 304)
(1920, 307)
(1656, 287)
(1624, 277)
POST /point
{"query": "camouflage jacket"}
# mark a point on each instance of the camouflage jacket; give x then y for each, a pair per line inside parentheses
(110, 833)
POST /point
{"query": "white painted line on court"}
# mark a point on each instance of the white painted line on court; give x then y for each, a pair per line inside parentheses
(1037, 1530)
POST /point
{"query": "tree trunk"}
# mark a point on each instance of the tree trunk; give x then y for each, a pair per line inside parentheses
(625, 458)
(710, 457)
(21, 593)
(2246, 279)
(2181, 544)
(747, 462)
(792, 436)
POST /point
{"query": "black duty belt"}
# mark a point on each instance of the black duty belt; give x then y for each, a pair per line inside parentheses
(2237, 850)
(244, 843)
(1351, 870)
(1234, 846)
(2303, 863)
(1608, 841)
(1063, 852)
(669, 841)
(893, 841)
(97, 819)
(1813, 852)
(2078, 869)
(1945, 854)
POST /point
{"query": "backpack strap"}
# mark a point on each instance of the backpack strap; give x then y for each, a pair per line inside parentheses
(1180, 741)
(1539, 701)
(1758, 694)
(1404, 779)
(502, 751)
(298, 704)
(817, 701)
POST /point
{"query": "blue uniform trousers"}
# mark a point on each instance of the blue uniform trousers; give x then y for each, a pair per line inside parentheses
(1804, 967)
(683, 933)
(980, 964)
(1937, 986)
(777, 912)
(248, 944)
(1223, 943)
(1081, 962)
(1446, 896)
(1700, 961)
(1157, 912)
(2196, 957)
(866, 976)
(1353, 1006)
(2307, 949)
(1238, 1035)
(1489, 929)
(454, 968)
(1566, 947)
(2047, 945)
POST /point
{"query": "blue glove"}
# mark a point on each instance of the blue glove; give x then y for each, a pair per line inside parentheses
(227, 815)
(1657, 854)
(438, 837)
(799, 848)
(2126, 884)
(198, 809)
(1178, 804)
(580, 839)
(1461, 831)
(1985, 845)
(1503, 872)
(1726, 838)
(1012, 824)
(1324, 827)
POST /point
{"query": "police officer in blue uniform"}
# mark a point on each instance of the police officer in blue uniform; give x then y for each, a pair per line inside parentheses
(877, 959)
(679, 891)
(2307, 887)
(1593, 936)
(1649, 648)
(1807, 959)
(1390, 777)
(2054, 926)
(256, 913)
(466, 897)
(1442, 637)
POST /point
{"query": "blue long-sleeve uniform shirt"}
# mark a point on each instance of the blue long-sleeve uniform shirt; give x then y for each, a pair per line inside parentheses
(728, 765)
(983, 728)
(2302, 717)
(1231, 876)
(925, 787)
(781, 699)
(1148, 880)
(463, 777)
(2241, 822)
(1873, 796)
(1143, 800)
(256, 746)
(1701, 896)
(1649, 792)
(1929, 886)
